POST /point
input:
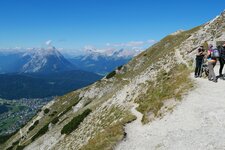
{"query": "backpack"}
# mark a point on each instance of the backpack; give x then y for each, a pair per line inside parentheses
(215, 53)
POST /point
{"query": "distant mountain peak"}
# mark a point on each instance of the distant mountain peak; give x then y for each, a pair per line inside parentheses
(115, 53)
(45, 60)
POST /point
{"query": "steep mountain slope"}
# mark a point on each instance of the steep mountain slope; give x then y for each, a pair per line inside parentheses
(196, 123)
(153, 81)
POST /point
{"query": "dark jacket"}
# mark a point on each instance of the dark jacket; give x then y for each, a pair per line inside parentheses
(222, 52)
(200, 54)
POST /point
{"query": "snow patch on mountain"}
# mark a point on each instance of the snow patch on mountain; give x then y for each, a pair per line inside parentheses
(111, 53)
(40, 60)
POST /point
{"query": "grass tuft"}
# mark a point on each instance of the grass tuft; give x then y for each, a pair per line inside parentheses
(169, 85)
(112, 133)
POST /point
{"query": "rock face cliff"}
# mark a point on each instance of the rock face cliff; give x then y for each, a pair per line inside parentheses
(94, 117)
(48, 60)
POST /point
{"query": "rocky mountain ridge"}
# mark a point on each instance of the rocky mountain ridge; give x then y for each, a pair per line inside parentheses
(103, 62)
(35, 60)
(45, 61)
(49, 60)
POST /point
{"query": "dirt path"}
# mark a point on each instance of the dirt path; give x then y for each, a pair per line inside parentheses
(198, 123)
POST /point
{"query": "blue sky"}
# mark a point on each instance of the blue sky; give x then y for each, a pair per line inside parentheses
(74, 24)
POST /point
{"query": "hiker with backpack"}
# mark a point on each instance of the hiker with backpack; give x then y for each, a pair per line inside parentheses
(221, 60)
(212, 57)
(199, 61)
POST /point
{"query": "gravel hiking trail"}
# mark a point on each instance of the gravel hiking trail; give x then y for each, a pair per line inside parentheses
(197, 123)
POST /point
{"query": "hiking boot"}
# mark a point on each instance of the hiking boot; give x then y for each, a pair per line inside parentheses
(215, 81)
(210, 79)
(196, 76)
(220, 75)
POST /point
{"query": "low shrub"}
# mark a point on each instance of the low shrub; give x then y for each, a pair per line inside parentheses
(46, 111)
(20, 147)
(36, 122)
(65, 111)
(55, 120)
(34, 125)
(42, 131)
(120, 67)
(111, 74)
(10, 148)
(16, 142)
(31, 128)
(53, 113)
(75, 122)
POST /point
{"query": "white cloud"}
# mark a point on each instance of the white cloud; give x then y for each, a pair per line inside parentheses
(151, 41)
(129, 48)
(48, 43)
(88, 47)
(107, 44)
(132, 44)
(91, 49)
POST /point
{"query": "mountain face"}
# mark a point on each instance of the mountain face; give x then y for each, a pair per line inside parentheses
(48, 60)
(102, 62)
(45, 61)
(94, 117)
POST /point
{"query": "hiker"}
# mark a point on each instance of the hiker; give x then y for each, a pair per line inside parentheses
(211, 64)
(221, 60)
(199, 61)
